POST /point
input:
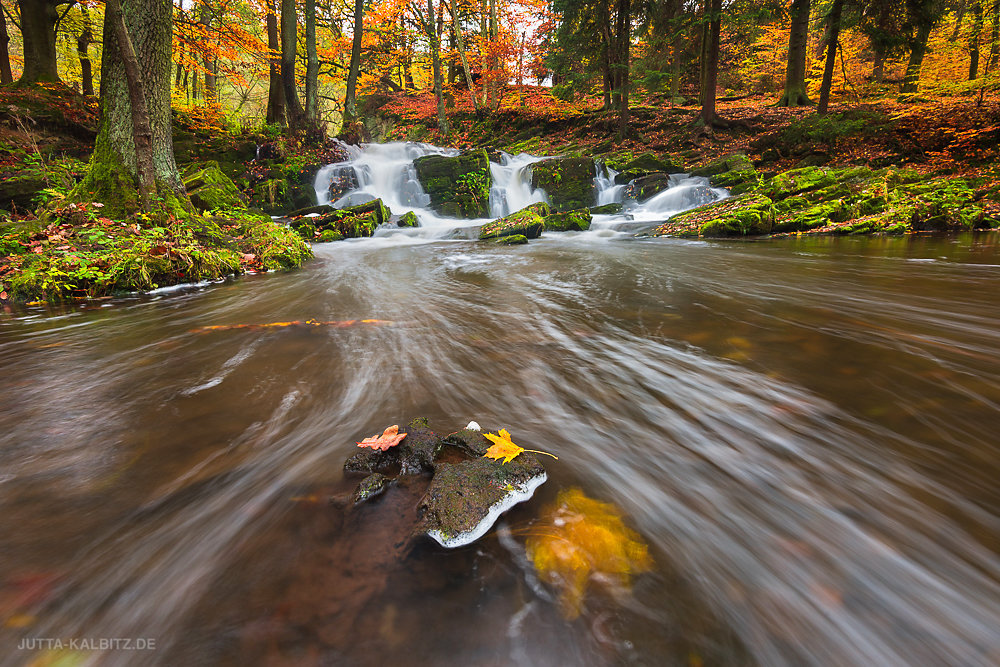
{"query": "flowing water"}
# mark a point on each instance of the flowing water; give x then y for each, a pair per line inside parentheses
(803, 430)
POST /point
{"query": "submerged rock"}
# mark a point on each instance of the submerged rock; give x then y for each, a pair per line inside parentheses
(370, 487)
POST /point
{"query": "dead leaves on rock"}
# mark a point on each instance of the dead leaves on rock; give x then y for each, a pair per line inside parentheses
(504, 448)
(581, 539)
(390, 438)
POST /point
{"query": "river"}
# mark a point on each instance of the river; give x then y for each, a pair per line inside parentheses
(804, 430)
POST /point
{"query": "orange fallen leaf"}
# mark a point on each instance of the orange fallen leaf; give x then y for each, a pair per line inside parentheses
(504, 448)
(390, 438)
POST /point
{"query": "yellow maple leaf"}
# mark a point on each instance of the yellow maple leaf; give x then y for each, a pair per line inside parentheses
(504, 448)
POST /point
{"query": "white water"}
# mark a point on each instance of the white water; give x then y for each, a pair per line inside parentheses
(386, 171)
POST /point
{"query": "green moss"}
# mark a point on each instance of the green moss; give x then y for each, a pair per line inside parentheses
(513, 239)
(329, 235)
(458, 186)
(578, 221)
(568, 182)
(409, 219)
(212, 190)
(738, 216)
(524, 222)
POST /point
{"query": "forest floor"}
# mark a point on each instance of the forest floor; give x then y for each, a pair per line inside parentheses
(947, 136)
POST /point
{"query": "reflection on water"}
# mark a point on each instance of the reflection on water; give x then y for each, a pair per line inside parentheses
(802, 430)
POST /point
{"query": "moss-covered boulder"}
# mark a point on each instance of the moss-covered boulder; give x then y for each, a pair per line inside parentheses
(606, 209)
(525, 222)
(459, 187)
(631, 166)
(807, 179)
(351, 222)
(372, 486)
(408, 219)
(18, 190)
(513, 239)
(568, 181)
(570, 221)
(414, 455)
(746, 215)
(273, 196)
(730, 171)
(211, 190)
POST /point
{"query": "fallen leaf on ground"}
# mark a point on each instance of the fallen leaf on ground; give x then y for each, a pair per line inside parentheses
(389, 438)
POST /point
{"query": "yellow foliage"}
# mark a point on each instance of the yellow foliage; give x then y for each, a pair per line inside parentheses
(504, 448)
(583, 539)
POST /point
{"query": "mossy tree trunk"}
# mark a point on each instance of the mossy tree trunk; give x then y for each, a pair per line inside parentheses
(122, 152)
(83, 42)
(276, 87)
(289, 45)
(977, 31)
(312, 65)
(38, 32)
(710, 68)
(798, 45)
(917, 53)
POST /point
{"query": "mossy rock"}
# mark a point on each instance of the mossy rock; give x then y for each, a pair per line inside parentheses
(525, 222)
(570, 221)
(458, 186)
(728, 171)
(272, 196)
(329, 236)
(568, 181)
(18, 191)
(606, 209)
(807, 179)
(211, 190)
(372, 486)
(408, 219)
(630, 167)
(354, 221)
(811, 216)
(513, 239)
(745, 215)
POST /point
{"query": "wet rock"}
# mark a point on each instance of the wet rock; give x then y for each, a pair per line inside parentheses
(568, 181)
(354, 221)
(514, 239)
(366, 461)
(570, 221)
(525, 222)
(408, 219)
(419, 449)
(465, 499)
(370, 487)
(459, 187)
(643, 164)
(606, 209)
(645, 187)
(320, 209)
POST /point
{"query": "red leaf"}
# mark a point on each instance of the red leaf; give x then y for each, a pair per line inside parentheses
(389, 438)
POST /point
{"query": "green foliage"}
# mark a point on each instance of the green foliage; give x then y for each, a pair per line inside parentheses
(832, 128)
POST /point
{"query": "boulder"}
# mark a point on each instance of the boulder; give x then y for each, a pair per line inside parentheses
(745, 215)
(18, 190)
(408, 219)
(606, 209)
(212, 190)
(729, 171)
(568, 181)
(570, 221)
(459, 187)
(630, 168)
(526, 222)
(514, 239)
(351, 222)
(645, 187)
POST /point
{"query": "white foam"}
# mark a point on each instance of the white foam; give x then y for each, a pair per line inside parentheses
(474, 426)
(517, 495)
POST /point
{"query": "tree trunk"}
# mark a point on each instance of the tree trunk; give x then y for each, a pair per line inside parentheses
(624, 42)
(456, 27)
(312, 64)
(494, 75)
(977, 30)
(916, 61)
(289, 39)
(798, 45)
(276, 87)
(878, 69)
(706, 40)
(833, 41)
(83, 42)
(710, 67)
(38, 32)
(435, 45)
(995, 39)
(350, 103)
(959, 17)
(211, 94)
(134, 141)
(5, 74)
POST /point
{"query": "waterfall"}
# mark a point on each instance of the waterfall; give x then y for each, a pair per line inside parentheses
(387, 171)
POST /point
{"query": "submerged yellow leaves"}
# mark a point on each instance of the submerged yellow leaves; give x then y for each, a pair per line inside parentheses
(337, 324)
(504, 449)
(581, 539)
